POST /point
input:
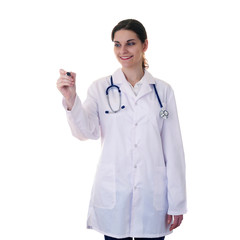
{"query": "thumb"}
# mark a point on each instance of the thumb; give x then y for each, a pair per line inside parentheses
(169, 219)
(62, 72)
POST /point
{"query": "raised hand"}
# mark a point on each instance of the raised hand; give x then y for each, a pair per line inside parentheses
(67, 86)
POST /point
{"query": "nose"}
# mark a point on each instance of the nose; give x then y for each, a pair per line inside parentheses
(123, 50)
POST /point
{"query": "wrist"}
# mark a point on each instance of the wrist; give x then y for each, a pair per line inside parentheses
(70, 102)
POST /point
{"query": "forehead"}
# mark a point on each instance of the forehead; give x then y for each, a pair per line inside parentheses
(124, 35)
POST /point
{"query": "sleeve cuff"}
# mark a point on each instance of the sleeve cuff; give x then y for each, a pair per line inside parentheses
(175, 213)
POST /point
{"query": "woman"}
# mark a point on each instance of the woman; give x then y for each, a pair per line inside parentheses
(139, 189)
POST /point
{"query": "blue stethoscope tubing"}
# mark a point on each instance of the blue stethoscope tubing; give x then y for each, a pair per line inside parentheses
(120, 102)
(163, 113)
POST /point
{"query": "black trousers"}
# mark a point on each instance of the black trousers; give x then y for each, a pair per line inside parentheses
(129, 238)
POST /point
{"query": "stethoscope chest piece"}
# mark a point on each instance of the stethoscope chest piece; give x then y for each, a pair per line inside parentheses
(164, 114)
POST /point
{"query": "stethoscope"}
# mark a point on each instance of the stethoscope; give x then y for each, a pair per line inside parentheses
(163, 113)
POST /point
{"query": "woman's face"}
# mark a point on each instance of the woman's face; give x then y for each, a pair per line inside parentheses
(129, 49)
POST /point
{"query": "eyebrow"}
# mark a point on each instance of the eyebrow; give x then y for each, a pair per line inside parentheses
(127, 40)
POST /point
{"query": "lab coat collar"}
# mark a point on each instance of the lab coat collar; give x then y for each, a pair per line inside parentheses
(120, 79)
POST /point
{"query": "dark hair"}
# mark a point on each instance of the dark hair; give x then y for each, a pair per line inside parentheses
(138, 28)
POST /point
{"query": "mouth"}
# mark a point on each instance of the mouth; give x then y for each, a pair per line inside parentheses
(126, 58)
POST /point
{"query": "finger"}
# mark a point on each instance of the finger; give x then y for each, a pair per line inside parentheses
(177, 222)
(66, 78)
(73, 74)
(180, 218)
(169, 219)
(62, 72)
(174, 225)
(64, 83)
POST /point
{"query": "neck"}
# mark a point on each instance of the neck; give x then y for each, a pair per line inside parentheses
(133, 75)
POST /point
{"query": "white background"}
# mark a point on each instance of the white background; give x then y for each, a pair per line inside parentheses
(46, 175)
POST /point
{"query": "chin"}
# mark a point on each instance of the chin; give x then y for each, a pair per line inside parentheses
(126, 65)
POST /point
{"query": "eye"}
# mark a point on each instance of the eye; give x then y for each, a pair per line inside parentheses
(131, 43)
(117, 44)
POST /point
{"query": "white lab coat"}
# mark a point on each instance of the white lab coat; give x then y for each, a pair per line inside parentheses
(141, 171)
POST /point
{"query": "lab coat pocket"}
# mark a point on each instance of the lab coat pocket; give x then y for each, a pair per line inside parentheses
(104, 187)
(160, 189)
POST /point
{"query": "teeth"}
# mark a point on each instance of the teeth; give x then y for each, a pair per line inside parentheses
(125, 57)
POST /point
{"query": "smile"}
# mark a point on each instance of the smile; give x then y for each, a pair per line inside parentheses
(126, 58)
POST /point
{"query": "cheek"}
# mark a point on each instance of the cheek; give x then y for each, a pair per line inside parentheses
(115, 51)
(138, 52)
(139, 55)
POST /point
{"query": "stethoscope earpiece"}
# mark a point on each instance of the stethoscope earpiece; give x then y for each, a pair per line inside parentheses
(107, 112)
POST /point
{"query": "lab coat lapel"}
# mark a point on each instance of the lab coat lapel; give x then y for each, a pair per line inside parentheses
(146, 87)
(127, 90)
(120, 80)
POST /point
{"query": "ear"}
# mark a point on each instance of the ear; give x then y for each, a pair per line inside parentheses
(145, 45)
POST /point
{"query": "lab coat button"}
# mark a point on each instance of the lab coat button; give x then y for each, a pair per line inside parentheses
(135, 166)
(135, 145)
(136, 124)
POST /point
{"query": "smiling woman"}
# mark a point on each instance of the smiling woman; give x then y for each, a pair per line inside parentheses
(129, 50)
(126, 34)
(139, 188)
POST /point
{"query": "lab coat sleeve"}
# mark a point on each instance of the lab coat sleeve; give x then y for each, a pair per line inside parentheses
(174, 158)
(83, 118)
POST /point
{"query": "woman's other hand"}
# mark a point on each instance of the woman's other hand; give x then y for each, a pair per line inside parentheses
(176, 222)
